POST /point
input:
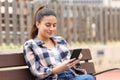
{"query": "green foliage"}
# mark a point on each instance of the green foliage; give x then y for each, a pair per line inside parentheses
(10, 46)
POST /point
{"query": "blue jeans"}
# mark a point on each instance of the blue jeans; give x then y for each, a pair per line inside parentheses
(68, 75)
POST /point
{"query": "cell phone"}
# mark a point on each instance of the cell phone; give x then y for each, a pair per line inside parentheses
(75, 53)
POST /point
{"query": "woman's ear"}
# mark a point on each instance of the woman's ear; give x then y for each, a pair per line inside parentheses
(37, 24)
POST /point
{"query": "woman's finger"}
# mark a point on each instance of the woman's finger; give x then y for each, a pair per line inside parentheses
(80, 56)
(72, 60)
(73, 63)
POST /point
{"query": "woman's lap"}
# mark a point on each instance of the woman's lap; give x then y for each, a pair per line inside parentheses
(67, 75)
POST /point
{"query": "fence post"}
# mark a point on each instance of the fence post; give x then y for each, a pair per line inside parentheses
(7, 30)
(22, 26)
(0, 25)
(14, 19)
(29, 18)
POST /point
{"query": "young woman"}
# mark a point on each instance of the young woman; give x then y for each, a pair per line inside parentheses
(47, 56)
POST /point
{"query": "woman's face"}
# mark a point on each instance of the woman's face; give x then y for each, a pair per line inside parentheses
(47, 26)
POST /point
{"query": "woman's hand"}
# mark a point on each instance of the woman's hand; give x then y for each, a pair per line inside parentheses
(81, 70)
(70, 63)
(84, 71)
(65, 65)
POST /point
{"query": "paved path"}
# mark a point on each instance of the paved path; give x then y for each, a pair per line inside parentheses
(109, 75)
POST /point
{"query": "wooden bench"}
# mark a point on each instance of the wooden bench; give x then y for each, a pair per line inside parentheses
(13, 66)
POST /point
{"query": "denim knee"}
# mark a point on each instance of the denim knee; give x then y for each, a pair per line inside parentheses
(84, 77)
(90, 77)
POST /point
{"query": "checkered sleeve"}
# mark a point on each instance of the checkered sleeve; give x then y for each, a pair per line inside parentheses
(35, 67)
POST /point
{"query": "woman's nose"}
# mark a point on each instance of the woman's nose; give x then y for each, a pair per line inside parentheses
(52, 27)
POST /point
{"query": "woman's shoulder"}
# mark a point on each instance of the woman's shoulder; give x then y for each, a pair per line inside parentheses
(28, 42)
(60, 39)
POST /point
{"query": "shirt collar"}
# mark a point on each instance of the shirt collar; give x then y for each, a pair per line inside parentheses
(39, 42)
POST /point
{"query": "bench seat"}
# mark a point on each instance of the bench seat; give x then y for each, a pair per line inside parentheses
(13, 66)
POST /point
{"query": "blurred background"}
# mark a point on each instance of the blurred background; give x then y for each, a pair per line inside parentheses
(93, 24)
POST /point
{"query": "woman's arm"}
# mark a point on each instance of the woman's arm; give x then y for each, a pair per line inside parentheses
(35, 67)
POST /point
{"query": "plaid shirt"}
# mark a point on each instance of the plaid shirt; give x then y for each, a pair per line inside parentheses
(41, 60)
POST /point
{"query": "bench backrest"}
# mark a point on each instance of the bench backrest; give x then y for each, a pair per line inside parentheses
(13, 66)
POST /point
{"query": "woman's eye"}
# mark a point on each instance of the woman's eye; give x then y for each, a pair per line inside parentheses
(48, 25)
(54, 25)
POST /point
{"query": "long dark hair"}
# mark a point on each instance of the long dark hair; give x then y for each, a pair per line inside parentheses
(38, 15)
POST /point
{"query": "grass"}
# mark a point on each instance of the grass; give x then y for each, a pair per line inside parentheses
(10, 48)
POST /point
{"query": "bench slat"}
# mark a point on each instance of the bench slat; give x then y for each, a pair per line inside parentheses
(89, 67)
(21, 74)
(11, 60)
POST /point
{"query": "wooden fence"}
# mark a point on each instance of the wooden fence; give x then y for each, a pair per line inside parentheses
(75, 23)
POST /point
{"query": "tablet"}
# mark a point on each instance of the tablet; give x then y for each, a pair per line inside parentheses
(75, 53)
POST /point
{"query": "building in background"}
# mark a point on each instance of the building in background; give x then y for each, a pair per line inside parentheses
(110, 3)
(115, 3)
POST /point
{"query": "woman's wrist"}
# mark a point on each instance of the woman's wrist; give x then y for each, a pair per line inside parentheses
(57, 69)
